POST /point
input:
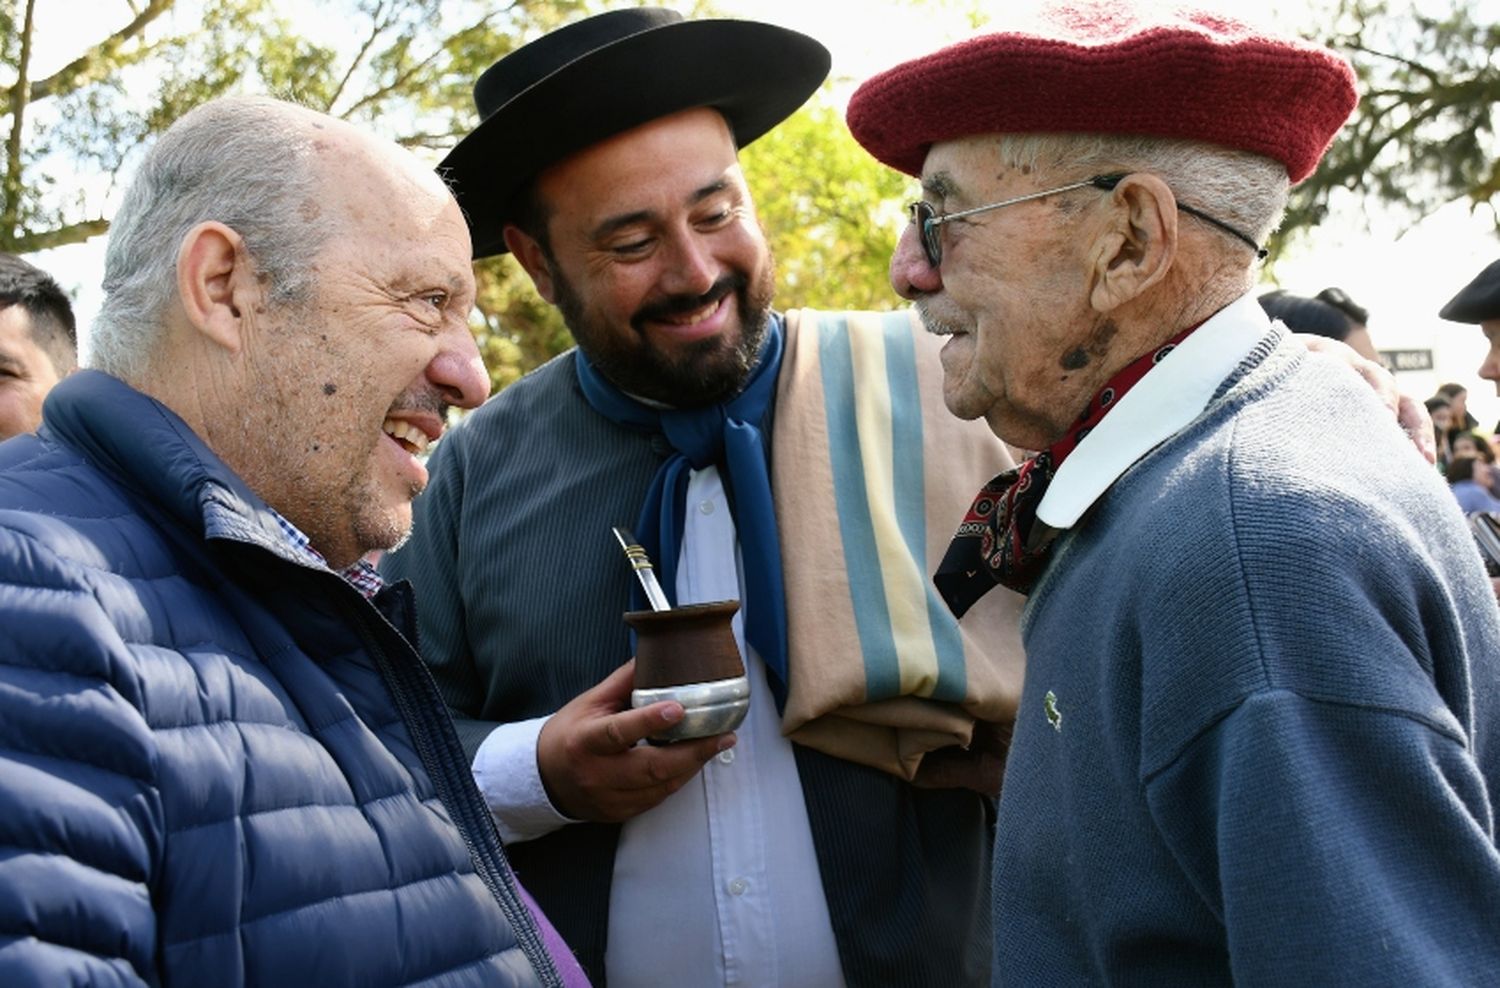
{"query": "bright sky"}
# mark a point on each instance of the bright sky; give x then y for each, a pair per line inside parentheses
(1402, 275)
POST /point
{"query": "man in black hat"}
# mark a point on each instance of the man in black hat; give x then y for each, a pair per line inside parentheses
(1478, 302)
(607, 166)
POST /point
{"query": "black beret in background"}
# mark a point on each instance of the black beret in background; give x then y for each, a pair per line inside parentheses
(1478, 301)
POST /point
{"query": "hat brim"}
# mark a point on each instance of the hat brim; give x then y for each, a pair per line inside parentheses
(1478, 301)
(755, 74)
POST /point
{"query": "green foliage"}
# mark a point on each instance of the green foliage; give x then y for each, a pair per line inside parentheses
(830, 211)
(1424, 133)
(516, 330)
(10, 36)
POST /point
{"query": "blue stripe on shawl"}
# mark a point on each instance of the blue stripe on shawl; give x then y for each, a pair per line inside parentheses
(861, 557)
(911, 498)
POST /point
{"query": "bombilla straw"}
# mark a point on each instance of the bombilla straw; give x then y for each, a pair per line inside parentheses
(642, 565)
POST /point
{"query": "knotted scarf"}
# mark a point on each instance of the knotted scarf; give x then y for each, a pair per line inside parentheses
(727, 435)
(1000, 541)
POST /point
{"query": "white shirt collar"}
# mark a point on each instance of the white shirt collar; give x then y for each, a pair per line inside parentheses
(1161, 404)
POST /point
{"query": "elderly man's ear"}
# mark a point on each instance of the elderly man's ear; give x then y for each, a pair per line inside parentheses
(1137, 243)
(533, 260)
(217, 284)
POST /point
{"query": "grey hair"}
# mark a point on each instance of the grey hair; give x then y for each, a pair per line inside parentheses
(242, 161)
(1248, 191)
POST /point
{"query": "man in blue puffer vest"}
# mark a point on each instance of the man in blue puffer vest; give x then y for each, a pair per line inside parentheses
(221, 760)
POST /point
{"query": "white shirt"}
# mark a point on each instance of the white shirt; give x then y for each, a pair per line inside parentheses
(1160, 405)
(719, 884)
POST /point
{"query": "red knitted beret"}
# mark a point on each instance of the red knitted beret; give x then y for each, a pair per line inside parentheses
(1111, 69)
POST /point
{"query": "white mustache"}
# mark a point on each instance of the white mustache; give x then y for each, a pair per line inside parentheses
(935, 325)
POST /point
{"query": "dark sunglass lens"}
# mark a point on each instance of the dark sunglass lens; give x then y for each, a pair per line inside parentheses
(932, 242)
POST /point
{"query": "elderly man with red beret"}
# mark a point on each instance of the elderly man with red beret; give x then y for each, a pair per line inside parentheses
(1257, 740)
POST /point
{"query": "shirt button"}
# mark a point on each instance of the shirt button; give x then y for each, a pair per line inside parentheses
(706, 507)
(726, 757)
(738, 886)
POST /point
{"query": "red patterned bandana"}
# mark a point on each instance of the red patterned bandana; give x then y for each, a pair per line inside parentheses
(1000, 540)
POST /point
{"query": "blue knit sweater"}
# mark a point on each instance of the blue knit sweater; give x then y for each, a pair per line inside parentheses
(1258, 740)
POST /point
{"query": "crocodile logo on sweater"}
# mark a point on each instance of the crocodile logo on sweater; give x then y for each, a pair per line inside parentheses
(1054, 715)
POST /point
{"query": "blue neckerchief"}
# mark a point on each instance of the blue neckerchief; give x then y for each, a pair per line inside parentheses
(727, 434)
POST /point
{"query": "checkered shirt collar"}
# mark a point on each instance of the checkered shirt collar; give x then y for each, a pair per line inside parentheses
(362, 575)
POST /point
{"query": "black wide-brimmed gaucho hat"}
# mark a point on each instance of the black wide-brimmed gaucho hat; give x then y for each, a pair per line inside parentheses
(604, 75)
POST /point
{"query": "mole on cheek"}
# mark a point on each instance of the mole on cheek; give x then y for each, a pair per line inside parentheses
(330, 388)
(1075, 360)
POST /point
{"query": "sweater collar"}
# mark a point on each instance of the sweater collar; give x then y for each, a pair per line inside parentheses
(1163, 403)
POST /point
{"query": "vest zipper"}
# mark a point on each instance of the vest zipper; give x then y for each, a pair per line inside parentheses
(457, 791)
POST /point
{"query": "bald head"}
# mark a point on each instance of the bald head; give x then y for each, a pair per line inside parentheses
(357, 176)
(263, 167)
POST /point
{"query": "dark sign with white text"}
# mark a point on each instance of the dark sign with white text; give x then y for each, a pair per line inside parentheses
(1397, 361)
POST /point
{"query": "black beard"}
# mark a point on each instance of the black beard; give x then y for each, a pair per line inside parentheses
(703, 373)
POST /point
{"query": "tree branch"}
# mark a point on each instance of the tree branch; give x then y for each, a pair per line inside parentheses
(20, 95)
(431, 141)
(405, 77)
(96, 63)
(71, 233)
(377, 27)
(395, 85)
(1433, 77)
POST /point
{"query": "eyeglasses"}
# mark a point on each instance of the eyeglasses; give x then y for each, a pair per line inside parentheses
(928, 219)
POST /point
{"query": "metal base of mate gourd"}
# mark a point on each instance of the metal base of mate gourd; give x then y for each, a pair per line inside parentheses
(710, 708)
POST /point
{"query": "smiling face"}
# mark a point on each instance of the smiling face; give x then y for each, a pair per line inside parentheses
(1012, 291)
(657, 262)
(348, 387)
(26, 373)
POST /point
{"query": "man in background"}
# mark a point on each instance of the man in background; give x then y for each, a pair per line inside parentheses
(1478, 303)
(38, 343)
(1359, 321)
